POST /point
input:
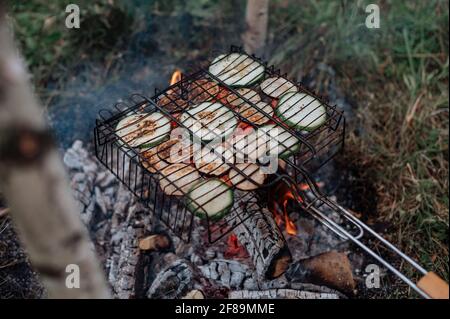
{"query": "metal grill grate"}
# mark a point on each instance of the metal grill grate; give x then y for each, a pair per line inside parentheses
(126, 151)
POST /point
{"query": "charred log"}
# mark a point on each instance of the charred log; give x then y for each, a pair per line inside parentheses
(259, 233)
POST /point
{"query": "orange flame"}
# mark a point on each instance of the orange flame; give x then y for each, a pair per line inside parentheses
(176, 77)
(291, 229)
(278, 205)
(281, 198)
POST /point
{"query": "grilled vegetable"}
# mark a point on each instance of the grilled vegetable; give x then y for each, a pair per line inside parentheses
(202, 90)
(212, 198)
(175, 151)
(301, 111)
(279, 140)
(211, 161)
(177, 179)
(151, 161)
(172, 101)
(209, 121)
(254, 180)
(236, 101)
(237, 69)
(277, 86)
(143, 130)
(254, 114)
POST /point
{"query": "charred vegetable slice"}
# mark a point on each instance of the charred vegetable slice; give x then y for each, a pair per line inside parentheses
(151, 161)
(248, 94)
(175, 151)
(247, 146)
(212, 198)
(203, 90)
(143, 130)
(254, 114)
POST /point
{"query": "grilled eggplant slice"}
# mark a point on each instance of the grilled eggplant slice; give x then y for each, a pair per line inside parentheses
(177, 179)
(203, 90)
(254, 114)
(254, 180)
(143, 130)
(251, 95)
(151, 161)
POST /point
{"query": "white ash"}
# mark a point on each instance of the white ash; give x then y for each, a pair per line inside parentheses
(172, 282)
(230, 273)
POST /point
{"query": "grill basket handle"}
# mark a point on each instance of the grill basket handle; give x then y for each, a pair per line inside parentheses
(434, 286)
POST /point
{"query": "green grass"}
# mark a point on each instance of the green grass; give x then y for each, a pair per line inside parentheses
(47, 44)
(398, 76)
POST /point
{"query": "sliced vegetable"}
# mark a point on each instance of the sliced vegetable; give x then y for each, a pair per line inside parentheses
(202, 90)
(151, 161)
(249, 94)
(175, 151)
(172, 101)
(211, 160)
(237, 69)
(301, 111)
(254, 180)
(277, 86)
(209, 121)
(212, 198)
(279, 141)
(177, 179)
(143, 130)
(254, 114)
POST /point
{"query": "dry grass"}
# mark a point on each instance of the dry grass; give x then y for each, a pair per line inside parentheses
(398, 78)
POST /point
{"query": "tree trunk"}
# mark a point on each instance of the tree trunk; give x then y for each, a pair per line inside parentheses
(34, 183)
(256, 19)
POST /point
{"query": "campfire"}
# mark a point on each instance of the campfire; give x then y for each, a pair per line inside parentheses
(225, 172)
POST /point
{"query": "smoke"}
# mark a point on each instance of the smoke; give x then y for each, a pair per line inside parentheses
(145, 61)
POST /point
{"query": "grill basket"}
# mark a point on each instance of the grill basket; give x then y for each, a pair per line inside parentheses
(127, 162)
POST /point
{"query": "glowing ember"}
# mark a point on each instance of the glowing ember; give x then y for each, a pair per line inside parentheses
(303, 186)
(234, 248)
(176, 77)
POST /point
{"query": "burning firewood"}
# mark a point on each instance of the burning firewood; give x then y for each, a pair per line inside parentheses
(261, 236)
